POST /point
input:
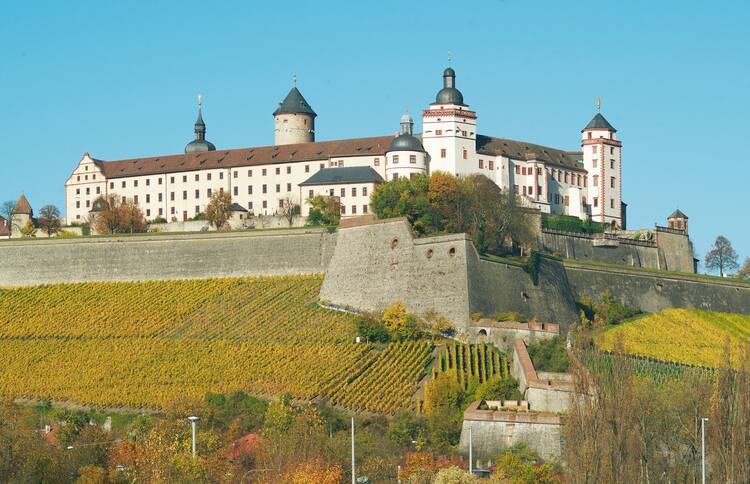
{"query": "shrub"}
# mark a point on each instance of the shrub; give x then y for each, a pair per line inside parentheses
(399, 323)
(498, 389)
(549, 355)
(372, 330)
(66, 234)
(570, 223)
(609, 311)
(510, 316)
(532, 267)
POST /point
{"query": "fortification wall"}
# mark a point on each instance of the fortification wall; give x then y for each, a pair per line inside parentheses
(581, 247)
(656, 291)
(676, 249)
(164, 256)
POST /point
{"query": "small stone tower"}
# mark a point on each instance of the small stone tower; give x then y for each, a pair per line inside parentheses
(22, 213)
(678, 221)
(294, 120)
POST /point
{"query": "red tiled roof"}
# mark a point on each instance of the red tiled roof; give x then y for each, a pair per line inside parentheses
(246, 157)
(23, 206)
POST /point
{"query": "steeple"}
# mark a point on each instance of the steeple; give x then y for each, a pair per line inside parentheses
(407, 124)
(199, 144)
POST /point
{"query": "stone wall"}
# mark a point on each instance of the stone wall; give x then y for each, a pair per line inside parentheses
(545, 391)
(503, 334)
(164, 256)
(654, 291)
(676, 249)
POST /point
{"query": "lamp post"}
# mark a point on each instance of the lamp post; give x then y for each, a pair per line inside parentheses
(471, 454)
(193, 419)
(703, 449)
(354, 480)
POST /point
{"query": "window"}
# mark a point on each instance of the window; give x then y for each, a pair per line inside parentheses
(184, 178)
(612, 164)
(585, 182)
(161, 212)
(515, 189)
(466, 154)
(322, 165)
(567, 201)
(538, 190)
(289, 187)
(343, 192)
(566, 177)
(438, 132)
(310, 193)
(330, 192)
(595, 162)
(559, 176)
(596, 202)
(596, 180)
(93, 177)
(249, 189)
(481, 164)
(354, 191)
(442, 152)
(86, 177)
(578, 180)
(491, 164)
(518, 170)
(159, 180)
(197, 177)
(160, 197)
(395, 176)
(249, 173)
(412, 159)
(377, 161)
(594, 149)
(288, 170)
(307, 168)
(171, 196)
(343, 209)
(78, 178)
(208, 193)
(278, 170)
(78, 191)
(463, 133)
(263, 172)
(235, 174)
(148, 198)
(281, 203)
(148, 212)
(278, 188)
(611, 203)
(197, 194)
(250, 205)
(221, 175)
(557, 198)
(184, 194)
(208, 176)
(395, 159)
(171, 210)
(98, 190)
(197, 210)
(265, 189)
(171, 180)
(111, 185)
(88, 191)
(123, 184)
(148, 182)
(135, 183)
(124, 200)
(236, 191)
(354, 209)
(612, 182)
(589, 134)
(78, 204)
(611, 150)
(341, 162)
(364, 191)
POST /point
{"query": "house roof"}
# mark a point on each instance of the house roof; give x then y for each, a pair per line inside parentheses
(678, 214)
(348, 174)
(23, 206)
(294, 103)
(236, 207)
(521, 150)
(598, 122)
(245, 157)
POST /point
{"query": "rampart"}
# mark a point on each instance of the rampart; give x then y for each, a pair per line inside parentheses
(164, 256)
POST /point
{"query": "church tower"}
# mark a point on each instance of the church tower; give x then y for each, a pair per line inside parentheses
(199, 143)
(602, 158)
(449, 130)
(294, 119)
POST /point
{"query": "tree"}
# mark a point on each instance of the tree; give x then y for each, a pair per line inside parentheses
(744, 272)
(49, 220)
(7, 210)
(288, 209)
(115, 215)
(722, 256)
(324, 210)
(219, 209)
(28, 230)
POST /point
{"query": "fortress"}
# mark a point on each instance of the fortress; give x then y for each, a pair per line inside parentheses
(585, 183)
(368, 265)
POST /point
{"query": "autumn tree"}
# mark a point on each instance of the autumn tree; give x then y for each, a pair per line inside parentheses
(288, 209)
(115, 215)
(405, 197)
(744, 272)
(28, 230)
(722, 256)
(7, 210)
(49, 220)
(324, 210)
(219, 209)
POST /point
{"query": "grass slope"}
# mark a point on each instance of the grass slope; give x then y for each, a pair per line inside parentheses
(688, 336)
(148, 344)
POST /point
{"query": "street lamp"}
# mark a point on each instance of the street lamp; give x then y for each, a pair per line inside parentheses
(703, 449)
(193, 419)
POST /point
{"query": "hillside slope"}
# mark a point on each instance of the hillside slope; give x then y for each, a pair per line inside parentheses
(148, 344)
(688, 336)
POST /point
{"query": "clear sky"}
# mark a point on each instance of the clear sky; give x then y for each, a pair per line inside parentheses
(120, 79)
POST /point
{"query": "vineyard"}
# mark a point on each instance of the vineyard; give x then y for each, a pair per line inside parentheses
(148, 344)
(685, 336)
(471, 364)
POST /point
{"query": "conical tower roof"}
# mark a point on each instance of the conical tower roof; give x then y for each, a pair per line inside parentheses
(23, 207)
(678, 214)
(598, 122)
(294, 103)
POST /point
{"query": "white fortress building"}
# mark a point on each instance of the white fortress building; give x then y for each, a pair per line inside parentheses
(584, 184)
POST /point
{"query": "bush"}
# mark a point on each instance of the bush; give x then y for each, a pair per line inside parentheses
(372, 330)
(66, 234)
(510, 316)
(400, 324)
(549, 355)
(570, 223)
(518, 465)
(500, 389)
(532, 266)
(609, 311)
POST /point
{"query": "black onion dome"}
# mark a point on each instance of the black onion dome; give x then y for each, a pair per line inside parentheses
(449, 95)
(406, 142)
(199, 145)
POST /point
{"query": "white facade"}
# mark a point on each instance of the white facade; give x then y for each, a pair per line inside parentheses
(178, 187)
(353, 197)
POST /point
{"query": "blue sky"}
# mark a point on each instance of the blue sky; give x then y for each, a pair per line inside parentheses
(119, 80)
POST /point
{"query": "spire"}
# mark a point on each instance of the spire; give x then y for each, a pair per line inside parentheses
(598, 104)
(200, 126)
(294, 80)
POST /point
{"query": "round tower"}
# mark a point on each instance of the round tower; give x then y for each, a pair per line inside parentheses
(294, 120)
(405, 156)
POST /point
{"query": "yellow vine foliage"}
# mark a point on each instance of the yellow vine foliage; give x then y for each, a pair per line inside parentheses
(688, 336)
(151, 344)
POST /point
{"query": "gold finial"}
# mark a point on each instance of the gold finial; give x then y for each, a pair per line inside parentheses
(294, 80)
(450, 57)
(598, 104)
(200, 100)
